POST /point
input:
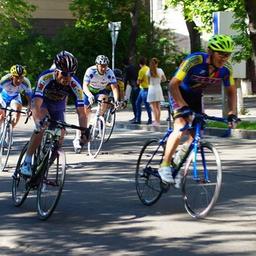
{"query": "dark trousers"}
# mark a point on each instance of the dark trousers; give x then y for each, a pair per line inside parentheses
(133, 98)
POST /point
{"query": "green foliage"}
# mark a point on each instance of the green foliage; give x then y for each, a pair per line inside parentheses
(203, 10)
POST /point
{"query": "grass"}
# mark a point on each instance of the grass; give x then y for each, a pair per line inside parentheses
(245, 125)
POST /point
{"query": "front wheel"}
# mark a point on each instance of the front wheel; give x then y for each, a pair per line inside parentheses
(20, 187)
(147, 179)
(51, 185)
(110, 120)
(5, 145)
(202, 180)
(97, 134)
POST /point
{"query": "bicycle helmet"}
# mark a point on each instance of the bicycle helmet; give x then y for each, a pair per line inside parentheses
(118, 74)
(18, 70)
(102, 60)
(221, 43)
(66, 62)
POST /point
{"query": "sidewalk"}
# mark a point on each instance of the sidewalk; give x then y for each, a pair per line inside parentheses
(213, 107)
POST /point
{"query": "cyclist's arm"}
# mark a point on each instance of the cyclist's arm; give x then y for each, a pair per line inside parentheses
(115, 91)
(175, 92)
(232, 99)
(86, 89)
(36, 109)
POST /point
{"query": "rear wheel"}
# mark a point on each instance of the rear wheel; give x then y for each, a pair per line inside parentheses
(97, 134)
(20, 187)
(5, 144)
(147, 179)
(200, 193)
(51, 185)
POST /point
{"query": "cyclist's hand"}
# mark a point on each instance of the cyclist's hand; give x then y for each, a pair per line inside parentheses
(118, 104)
(124, 104)
(233, 120)
(184, 111)
(91, 99)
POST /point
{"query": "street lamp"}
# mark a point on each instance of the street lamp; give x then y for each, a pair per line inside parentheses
(114, 28)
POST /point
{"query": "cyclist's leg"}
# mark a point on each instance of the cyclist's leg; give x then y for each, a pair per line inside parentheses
(87, 108)
(16, 104)
(103, 96)
(34, 142)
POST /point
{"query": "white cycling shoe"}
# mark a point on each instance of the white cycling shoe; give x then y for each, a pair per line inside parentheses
(165, 173)
(77, 146)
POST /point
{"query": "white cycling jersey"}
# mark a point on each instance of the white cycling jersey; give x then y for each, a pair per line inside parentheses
(98, 81)
(10, 92)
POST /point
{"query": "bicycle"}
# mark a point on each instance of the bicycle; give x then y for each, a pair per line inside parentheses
(202, 172)
(6, 135)
(48, 171)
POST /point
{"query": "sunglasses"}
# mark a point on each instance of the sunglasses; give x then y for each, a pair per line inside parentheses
(224, 54)
(66, 74)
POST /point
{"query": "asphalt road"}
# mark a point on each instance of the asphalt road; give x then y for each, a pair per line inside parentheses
(99, 212)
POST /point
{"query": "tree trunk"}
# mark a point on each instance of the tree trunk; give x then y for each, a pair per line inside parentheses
(194, 36)
(134, 14)
(250, 6)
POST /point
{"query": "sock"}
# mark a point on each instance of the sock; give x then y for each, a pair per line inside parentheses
(165, 164)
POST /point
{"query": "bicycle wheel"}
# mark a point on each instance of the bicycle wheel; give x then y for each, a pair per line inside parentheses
(201, 193)
(51, 185)
(110, 120)
(147, 179)
(5, 144)
(20, 188)
(96, 137)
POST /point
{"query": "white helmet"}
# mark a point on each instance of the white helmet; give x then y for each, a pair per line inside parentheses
(102, 60)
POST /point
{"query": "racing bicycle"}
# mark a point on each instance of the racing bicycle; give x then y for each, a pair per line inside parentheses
(200, 168)
(48, 170)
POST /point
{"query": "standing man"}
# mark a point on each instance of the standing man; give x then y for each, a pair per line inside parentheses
(130, 82)
(142, 81)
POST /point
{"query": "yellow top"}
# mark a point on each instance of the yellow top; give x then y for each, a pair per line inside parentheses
(142, 77)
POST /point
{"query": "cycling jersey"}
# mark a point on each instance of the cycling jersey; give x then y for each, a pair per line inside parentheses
(11, 92)
(55, 94)
(96, 81)
(194, 74)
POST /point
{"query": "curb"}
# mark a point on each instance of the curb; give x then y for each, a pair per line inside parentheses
(219, 132)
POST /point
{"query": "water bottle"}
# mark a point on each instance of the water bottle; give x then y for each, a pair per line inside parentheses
(180, 154)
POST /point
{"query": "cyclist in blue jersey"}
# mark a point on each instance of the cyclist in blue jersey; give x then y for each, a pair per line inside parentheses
(11, 87)
(96, 80)
(197, 71)
(50, 98)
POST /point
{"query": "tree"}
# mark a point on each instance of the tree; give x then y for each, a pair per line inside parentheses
(250, 6)
(14, 14)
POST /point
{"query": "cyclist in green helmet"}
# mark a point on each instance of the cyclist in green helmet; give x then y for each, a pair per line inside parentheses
(198, 70)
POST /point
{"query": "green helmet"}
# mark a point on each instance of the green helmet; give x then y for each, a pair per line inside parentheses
(221, 43)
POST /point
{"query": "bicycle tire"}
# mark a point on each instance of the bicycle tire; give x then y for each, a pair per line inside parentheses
(51, 184)
(147, 180)
(5, 145)
(110, 120)
(200, 195)
(97, 135)
(20, 189)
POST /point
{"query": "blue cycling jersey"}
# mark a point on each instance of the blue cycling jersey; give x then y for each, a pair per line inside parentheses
(194, 73)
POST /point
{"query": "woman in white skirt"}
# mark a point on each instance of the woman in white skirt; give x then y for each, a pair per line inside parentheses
(155, 93)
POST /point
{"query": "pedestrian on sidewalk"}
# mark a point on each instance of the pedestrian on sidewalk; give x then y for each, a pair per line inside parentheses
(130, 82)
(142, 81)
(155, 93)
